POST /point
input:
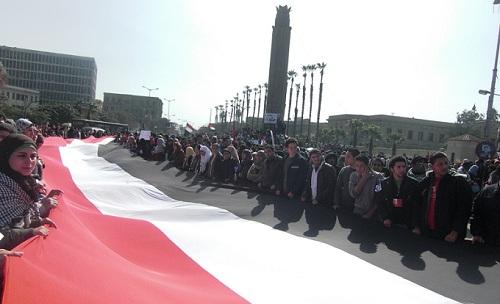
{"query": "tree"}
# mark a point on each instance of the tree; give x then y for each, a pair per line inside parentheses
(248, 90)
(468, 122)
(291, 76)
(326, 136)
(258, 108)
(356, 127)
(297, 86)
(321, 67)
(305, 69)
(373, 132)
(329, 135)
(394, 139)
(254, 104)
(265, 98)
(312, 68)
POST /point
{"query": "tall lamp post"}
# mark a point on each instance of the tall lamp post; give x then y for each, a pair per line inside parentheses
(489, 112)
(168, 106)
(149, 90)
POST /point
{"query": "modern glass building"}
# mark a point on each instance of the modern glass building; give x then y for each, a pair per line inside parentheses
(58, 77)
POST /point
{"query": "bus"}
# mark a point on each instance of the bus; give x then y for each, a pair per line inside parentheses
(110, 127)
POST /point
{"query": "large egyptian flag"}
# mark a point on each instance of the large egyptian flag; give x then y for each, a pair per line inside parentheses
(121, 240)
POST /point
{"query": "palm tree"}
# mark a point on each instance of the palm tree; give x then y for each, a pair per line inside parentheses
(236, 111)
(221, 114)
(394, 139)
(216, 114)
(356, 126)
(237, 114)
(258, 108)
(242, 108)
(297, 86)
(225, 116)
(248, 90)
(265, 99)
(373, 132)
(254, 104)
(291, 76)
(232, 111)
(305, 68)
(312, 68)
(339, 134)
(321, 67)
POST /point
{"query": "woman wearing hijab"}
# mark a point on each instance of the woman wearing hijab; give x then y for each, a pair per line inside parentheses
(19, 214)
(177, 155)
(234, 153)
(205, 155)
(256, 172)
(188, 159)
(245, 164)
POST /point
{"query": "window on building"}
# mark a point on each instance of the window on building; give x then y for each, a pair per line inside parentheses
(441, 138)
(420, 136)
(431, 137)
(410, 135)
(389, 130)
(400, 131)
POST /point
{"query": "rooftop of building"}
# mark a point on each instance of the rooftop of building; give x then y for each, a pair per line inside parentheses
(47, 53)
(465, 137)
(129, 95)
(388, 118)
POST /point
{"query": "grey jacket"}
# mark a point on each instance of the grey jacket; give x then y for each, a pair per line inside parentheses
(364, 201)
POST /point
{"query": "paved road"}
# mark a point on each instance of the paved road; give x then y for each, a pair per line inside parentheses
(462, 272)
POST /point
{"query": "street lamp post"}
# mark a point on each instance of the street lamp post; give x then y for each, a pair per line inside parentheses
(486, 92)
(168, 106)
(149, 90)
(489, 112)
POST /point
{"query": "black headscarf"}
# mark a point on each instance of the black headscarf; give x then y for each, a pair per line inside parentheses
(8, 146)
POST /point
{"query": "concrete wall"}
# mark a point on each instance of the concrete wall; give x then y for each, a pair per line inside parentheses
(462, 149)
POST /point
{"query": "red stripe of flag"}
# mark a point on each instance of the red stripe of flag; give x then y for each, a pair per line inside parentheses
(94, 258)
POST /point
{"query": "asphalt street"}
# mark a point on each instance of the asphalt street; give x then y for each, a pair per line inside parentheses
(466, 273)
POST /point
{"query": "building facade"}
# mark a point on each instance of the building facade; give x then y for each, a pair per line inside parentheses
(58, 77)
(139, 112)
(21, 97)
(462, 147)
(414, 133)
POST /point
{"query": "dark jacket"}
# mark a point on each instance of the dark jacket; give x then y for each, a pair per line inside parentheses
(228, 168)
(485, 221)
(405, 214)
(327, 177)
(215, 166)
(342, 196)
(243, 168)
(453, 205)
(178, 158)
(273, 171)
(294, 175)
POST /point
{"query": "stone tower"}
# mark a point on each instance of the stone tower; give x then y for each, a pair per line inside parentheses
(278, 67)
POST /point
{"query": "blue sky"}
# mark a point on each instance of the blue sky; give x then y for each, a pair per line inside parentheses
(423, 59)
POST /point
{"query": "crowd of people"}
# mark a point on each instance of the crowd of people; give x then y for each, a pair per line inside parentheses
(426, 195)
